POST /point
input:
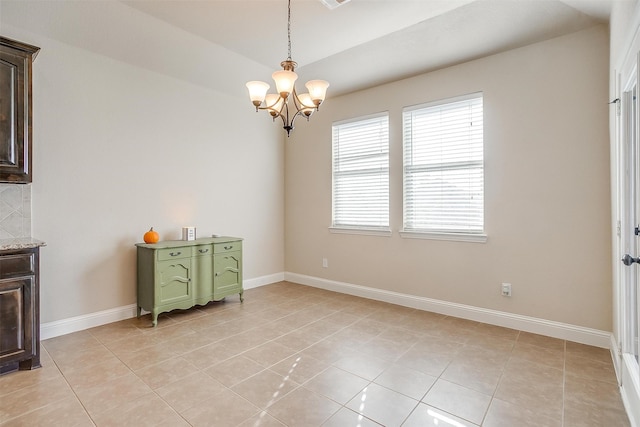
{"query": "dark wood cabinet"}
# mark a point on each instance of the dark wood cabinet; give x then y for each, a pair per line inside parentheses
(19, 310)
(16, 60)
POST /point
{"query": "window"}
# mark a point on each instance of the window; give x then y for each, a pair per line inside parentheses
(443, 167)
(361, 173)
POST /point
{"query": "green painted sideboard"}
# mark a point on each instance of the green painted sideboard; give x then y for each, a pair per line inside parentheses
(178, 274)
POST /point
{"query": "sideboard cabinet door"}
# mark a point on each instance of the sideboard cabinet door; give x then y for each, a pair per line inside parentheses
(175, 282)
(227, 274)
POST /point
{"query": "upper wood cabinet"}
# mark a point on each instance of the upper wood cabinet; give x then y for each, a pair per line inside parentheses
(15, 110)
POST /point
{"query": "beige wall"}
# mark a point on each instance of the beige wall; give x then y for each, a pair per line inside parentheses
(547, 207)
(120, 147)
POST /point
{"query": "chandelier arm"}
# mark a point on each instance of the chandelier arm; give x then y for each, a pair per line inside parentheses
(296, 100)
(276, 114)
(270, 107)
(299, 113)
(287, 124)
(299, 104)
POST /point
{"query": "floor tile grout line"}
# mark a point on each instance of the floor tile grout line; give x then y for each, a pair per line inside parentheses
(495, 390)
(73, 390)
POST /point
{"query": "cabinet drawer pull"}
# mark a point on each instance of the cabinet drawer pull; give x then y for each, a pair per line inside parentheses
(226, 248)
(174, 253)
(203, 251)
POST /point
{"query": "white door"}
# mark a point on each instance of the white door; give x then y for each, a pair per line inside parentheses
(628, 297)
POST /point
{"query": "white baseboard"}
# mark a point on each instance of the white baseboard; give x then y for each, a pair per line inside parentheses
(524, 323)
(630, 389)
(262, 281)
(86, 321)
(91, 320)
(535, 325)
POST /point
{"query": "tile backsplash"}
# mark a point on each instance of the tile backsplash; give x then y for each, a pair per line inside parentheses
(15, 210)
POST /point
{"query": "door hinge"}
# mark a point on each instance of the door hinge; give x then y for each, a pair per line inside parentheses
(636, 230)
(617, 102)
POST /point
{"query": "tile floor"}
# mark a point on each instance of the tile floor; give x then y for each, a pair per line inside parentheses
(292, 355)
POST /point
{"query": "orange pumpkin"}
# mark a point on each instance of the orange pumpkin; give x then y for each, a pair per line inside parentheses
(151, 236)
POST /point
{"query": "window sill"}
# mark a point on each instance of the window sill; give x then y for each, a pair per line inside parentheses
(454, 237)
(385, 232)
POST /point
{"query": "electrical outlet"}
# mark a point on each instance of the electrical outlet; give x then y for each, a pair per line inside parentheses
(506, 289)
(325, 263)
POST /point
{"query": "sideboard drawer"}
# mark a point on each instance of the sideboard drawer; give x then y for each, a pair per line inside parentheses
(220, 248)
(174, 253)
(16, 265)
(202, 250)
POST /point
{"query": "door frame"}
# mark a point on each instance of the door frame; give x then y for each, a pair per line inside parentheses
(625, 161)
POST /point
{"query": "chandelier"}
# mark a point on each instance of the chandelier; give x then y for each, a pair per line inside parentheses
(287, 104)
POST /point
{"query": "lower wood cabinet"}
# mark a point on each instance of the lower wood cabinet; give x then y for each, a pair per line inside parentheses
(179, 274)
(19, 310)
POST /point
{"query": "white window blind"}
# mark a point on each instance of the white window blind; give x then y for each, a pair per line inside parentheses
(443, 166)
(361, 173)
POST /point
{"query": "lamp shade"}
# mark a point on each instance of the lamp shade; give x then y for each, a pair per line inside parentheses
(257, 91)
(274, 103)
(317, 90)
(306, 106)
(285, 80)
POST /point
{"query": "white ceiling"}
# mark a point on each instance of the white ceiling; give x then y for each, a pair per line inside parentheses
(368, 42)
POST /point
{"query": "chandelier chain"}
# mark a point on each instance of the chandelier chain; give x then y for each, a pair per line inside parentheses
(289, 29)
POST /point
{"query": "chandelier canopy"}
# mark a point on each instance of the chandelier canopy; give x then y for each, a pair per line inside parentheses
(278, 105)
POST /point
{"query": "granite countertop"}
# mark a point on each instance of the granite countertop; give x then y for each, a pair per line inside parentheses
(20, 243)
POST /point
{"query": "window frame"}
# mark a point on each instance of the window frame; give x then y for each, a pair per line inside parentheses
(344, 228)
(478, 236)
